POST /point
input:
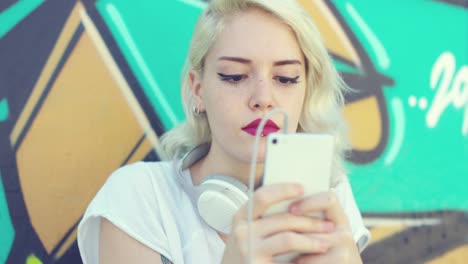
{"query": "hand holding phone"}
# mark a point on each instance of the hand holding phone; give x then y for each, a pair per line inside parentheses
(298, 158)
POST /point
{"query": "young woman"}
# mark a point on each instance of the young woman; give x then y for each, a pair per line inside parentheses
(246, 58)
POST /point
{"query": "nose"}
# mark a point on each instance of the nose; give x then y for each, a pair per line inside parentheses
(262, 96)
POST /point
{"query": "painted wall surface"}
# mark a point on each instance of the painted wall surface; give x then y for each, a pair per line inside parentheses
(89, 86)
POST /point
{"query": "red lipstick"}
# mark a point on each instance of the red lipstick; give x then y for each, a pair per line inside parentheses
(270, 127)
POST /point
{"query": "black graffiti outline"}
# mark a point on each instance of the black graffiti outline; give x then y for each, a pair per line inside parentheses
(459, 3)
(419, 244)
(371, 78)
(26, 241)
(123, 65)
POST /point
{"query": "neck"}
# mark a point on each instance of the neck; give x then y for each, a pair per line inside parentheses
(217, 163)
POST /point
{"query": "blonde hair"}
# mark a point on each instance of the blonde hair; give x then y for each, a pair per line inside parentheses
(324, 101)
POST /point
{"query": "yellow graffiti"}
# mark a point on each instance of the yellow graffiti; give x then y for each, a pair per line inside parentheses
(33, 260)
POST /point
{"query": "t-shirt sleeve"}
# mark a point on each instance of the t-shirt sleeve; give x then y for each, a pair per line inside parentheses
(127, 200)
(345, 195)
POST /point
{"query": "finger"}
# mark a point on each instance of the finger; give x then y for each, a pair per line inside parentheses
(339, 238)
(268, 195)
(331, 256)
(320, 257)
(326, 202)
(335, 212)
(313, 258)
(289, 222)
(288, 242)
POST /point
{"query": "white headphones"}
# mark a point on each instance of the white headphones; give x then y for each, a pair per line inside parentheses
(218, 197)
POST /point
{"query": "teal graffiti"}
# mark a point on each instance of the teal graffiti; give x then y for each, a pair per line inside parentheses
(6, 227)
(380, 52)
(420, 162)
(195, 3)
(342, 67)
(15, 13)
(144, 33)
(398, 132)
(140, 61)
(4, 111)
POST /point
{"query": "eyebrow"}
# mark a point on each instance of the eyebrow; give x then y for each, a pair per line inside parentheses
(286, 62)
(247, 61)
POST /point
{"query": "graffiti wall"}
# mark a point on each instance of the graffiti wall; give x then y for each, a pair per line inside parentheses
(88, 86)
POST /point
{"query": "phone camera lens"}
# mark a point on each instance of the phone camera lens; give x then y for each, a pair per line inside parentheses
(274, 141)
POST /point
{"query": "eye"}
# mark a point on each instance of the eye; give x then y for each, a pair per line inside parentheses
(285, 80)
(233, 78)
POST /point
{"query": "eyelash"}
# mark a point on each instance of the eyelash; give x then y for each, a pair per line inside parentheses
(287, 79)
(236, 78)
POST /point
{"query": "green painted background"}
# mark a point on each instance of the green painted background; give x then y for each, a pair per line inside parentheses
(422, 168)
(419, 164)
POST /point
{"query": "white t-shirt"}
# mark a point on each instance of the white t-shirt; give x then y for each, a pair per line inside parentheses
(146, 201)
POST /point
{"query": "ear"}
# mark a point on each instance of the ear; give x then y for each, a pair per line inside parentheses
(196, 89)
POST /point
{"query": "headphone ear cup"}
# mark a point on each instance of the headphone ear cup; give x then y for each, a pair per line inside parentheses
(219, 199)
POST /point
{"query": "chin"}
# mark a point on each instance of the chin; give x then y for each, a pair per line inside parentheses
(260, 154)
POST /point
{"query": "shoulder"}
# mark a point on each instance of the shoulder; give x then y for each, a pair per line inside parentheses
(131, 189)
(142, 177)
(140, 171)
(139, 188)
(132, 200)
(343, 190)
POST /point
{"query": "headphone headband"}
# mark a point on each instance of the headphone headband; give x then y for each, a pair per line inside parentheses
(217, 198)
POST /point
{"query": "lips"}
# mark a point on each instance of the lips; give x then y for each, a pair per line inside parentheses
(270, 127)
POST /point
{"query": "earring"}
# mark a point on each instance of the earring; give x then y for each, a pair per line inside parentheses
(196, 111)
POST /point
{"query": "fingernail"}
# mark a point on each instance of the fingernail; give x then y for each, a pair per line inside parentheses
(295, 209)
(299, 189)
(324, 245)
(329, 226)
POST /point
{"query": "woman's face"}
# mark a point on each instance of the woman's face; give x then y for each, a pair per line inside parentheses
(254, 66)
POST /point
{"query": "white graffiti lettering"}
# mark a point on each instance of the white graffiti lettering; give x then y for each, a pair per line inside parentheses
(456, 94)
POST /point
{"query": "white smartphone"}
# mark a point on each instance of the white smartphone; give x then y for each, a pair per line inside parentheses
(298, 158)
